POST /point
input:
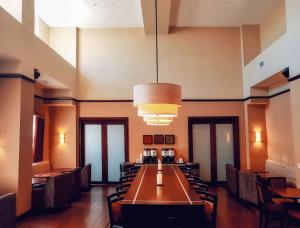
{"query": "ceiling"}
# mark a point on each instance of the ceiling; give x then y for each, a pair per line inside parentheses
(128, 13)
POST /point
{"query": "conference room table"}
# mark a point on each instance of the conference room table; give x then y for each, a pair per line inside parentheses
(173, 204)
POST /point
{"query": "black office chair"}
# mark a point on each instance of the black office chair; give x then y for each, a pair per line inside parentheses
(194, 179)
(210, 207)
(123, 180)
(115, 208)
(268, 209)
(123, 187)
(198, 186)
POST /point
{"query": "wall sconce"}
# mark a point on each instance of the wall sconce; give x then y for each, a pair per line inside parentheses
(62, 138)
(258, 136)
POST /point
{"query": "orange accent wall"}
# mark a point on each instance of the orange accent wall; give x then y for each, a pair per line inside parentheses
(258, 151)
(179, 127)
(62, 119)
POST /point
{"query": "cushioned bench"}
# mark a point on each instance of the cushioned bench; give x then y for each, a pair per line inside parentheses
(8, 210)
(247, 187)
(282, 169)
(232, 179)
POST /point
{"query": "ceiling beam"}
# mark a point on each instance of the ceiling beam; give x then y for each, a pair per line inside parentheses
(163, 16)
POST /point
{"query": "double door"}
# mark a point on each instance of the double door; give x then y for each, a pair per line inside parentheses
(104, 144)
(214, 142)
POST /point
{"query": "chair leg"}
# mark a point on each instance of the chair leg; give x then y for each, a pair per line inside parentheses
(266, 220)
(260, 219)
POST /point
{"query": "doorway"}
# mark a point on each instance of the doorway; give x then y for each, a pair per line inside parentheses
(214, 142)
(104, 144)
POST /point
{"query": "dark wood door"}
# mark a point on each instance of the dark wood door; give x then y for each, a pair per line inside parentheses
(98, 147)
(213, 124)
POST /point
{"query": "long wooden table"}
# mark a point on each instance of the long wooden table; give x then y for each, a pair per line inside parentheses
(149, 205)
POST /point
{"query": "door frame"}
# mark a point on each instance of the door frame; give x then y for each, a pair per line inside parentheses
(104, 122)
(212, 121)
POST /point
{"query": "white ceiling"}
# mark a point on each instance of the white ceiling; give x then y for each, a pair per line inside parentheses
(128, 13)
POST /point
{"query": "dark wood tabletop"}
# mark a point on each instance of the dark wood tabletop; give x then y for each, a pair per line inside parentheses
(257, 171)
(46, 175)
(269, 175)
(38, 180)
(175, 189)
(291, 193)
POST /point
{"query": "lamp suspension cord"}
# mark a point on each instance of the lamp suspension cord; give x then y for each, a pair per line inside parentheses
(156, 40)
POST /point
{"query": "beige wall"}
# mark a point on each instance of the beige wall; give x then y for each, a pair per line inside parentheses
(295, 110)
(62, 119)
(279, 127)
(179, 127)
(20, 43)
(64, 41)
(28, 14)
(273, 26)
(206, 62)
(16, 112)
(251, 42)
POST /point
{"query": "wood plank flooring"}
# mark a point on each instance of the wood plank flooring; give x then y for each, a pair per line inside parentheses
(91, 211)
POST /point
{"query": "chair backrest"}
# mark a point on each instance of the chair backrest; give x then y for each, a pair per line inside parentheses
(278, 182)
(123, 187)
(58, 191)
(126, 179)
(282, 169)
(8, 210)
(75, 182)
(263, 193)
(86, 173)
(197, 185)
(232, 179)
(113, 198)
(210, 206)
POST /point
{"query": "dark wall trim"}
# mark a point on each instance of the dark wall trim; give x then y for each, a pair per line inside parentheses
(212, 100)
(294, 78)
(21, 76)
(280, 93)
(184, 100)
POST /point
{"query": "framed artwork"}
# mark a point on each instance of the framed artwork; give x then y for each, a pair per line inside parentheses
(147, 139)
(169, 139)
(159, 139)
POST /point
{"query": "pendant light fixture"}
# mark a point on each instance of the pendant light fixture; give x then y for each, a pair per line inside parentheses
(157, 103)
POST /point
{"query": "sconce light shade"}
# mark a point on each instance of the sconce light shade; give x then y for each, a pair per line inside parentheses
(62, 138)
(258, 136)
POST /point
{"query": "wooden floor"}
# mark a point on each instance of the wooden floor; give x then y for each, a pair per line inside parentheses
(91, 211)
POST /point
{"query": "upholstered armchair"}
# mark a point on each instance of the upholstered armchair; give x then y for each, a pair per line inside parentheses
(232, 179)
(8, 210)
(75, 183)
(58, 191)
(247, 187)
(86, 177)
